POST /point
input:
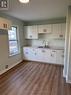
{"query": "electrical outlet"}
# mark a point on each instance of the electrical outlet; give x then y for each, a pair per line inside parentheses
(6, 66)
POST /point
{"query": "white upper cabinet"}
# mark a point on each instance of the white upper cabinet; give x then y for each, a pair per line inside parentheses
(56, 30)
(5, 24)
(31, 32)
(45, 28)
(59, 30)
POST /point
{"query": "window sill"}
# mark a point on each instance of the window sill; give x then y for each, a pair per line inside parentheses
(11, 55)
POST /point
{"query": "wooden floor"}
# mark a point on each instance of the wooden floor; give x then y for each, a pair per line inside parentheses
(33, 78)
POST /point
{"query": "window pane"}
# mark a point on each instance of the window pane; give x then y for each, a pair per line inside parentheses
(14, 28)
(12, 35)
(13, 47)
(13, 42)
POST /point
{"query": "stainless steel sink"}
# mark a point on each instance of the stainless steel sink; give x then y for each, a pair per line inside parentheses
(43, 47)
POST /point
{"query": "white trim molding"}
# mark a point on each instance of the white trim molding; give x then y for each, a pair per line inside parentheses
(10, 67)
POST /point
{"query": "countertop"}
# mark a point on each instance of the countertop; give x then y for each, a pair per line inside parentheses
(42, 47)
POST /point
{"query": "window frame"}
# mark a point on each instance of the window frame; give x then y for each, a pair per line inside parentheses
(17, 39)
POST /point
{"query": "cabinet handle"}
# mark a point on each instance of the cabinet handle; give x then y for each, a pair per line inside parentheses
(44, 30)
(43, 50)
(63, 56)
(26, 52)
(51, 55)
(4, 25)
(60, 35)
(30, 36)
(63, 51)
(53, 51)
(35, 53)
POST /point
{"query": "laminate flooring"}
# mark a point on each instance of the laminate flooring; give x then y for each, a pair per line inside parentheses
(32, 78)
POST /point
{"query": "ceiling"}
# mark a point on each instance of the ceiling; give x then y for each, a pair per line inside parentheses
(38, 9)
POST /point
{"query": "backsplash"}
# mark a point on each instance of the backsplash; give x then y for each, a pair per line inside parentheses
(48, 40)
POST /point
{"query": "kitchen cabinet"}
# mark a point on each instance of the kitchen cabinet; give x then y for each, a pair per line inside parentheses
(59, 30)
(29, 53)
(44, 28)
(53, 56)
(31, 32)
(44, 55)
(36, 54)
(60, 57)
(5, 24)
(57, 57)
(56, 30)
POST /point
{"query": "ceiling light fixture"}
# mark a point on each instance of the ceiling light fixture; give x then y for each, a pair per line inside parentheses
(24, 1)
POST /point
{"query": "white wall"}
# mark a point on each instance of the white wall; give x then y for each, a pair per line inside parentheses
(4, 54)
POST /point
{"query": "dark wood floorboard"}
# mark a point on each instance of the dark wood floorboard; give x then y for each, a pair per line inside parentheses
(32, 78)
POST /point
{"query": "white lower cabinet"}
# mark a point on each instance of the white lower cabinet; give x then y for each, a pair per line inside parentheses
(39, 55)
(44, 55)
(60, 57)
(29, 53)
(53, 56)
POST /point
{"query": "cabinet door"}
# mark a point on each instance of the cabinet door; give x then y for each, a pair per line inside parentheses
(53, 56)
(60, 57)
(43, 55)
(33, 54)
(30, 53)
(26, 53)
(56, 28)
(46, 55)
(44, 29)
(59, 30)
(28, 31)
(31, 32)
(39, 55)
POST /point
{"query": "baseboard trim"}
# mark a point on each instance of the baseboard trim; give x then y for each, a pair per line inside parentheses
(42, 62)
(67, 80)
(10, 67)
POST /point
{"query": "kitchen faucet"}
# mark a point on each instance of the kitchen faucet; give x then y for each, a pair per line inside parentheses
(45, 43)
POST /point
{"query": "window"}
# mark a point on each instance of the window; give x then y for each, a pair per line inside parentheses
(13, 41)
